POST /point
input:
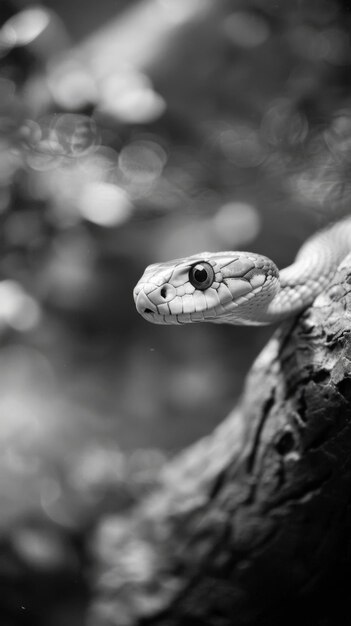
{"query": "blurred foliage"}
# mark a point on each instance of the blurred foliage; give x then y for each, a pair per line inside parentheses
(233, 129)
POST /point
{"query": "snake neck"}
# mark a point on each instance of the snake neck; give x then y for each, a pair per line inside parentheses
(312, 271)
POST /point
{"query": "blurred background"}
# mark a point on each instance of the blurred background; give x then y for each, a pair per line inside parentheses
(131, 133)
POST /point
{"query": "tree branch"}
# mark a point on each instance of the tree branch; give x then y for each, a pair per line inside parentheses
(253, 518)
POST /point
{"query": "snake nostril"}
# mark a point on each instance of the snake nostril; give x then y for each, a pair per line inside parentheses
(163, 292)
(147, 311)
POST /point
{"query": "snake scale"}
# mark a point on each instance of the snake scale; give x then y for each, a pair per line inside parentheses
(242, 288)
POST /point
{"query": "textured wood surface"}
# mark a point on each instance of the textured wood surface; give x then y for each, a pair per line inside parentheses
(251, 524)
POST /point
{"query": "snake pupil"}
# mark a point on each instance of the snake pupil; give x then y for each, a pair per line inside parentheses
(201, 276)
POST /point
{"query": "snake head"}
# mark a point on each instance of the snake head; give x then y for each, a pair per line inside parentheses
(225, 287)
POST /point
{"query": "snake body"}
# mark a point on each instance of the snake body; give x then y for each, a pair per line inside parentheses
(241, 287)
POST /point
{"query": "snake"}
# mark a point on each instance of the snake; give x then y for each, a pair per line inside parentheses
(242, 288)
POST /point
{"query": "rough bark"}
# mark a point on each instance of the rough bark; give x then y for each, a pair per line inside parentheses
(251, 524)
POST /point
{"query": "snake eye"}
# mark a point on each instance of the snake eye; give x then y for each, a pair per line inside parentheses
(201, 276)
